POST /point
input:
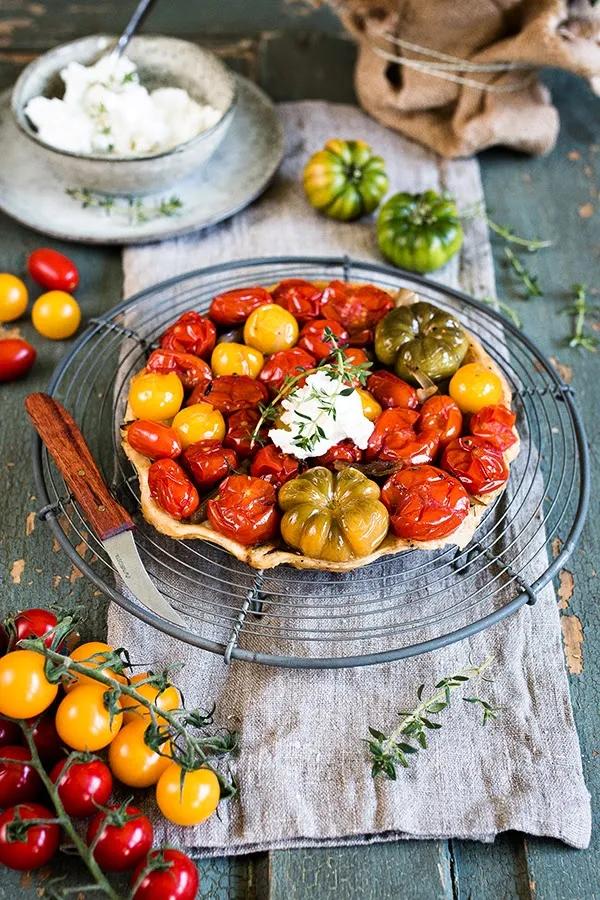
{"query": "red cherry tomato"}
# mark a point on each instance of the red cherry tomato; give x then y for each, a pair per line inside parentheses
(192, 371)
(154, 440)
(396, 424)
(19, 782)
(312, 337)
(172, 489)
(32, 623)
(16, 358)
(345, 451)
(46, 738)
(53, 270)
(355, 355)
(424, 503)
(245, 510)
(359, 308)
(25, 848)
(495, 424)
(440, 413)
(240, 429)
(208, 462)
(191, 333)
(285, 364)
(230, 393)
(272, 465)
(234, 307)
(10, 733)
(175, 877)
(390, 391)
(477, 464)
(301, 298)
(125, 837)
(86, 785)
(413, 451)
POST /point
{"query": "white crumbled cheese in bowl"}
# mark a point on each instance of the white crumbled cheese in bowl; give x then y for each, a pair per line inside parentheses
(321, 413)
(105, 110)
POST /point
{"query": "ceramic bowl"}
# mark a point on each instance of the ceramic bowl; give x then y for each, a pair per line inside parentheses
(162, 62)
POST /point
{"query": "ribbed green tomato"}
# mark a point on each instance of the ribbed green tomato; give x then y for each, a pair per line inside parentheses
(345, 180)
(419, 232)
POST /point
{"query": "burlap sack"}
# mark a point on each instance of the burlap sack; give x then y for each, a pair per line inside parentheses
(421, 64)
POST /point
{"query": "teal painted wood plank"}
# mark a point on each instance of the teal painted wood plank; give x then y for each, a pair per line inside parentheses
(497, 870)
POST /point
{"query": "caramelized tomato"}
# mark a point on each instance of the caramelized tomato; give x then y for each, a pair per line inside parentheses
(271, 329)
(171, 489)
(245, 510)
(240, 429)
(199, 422)
(441, 414)
(208, 462)
(153, 439)
(231, 358)
(230, 393)
(191, 333)
(193, 372)
(234, 307)
(272, 465)
(371, 408)
(477, 464)
(285, 364)
(391, 391)
(414, 451)
(397, 424)
(345, 451)
(424, 503)
(358, 308)
(301, 298)
(312, 337)
(495, 424)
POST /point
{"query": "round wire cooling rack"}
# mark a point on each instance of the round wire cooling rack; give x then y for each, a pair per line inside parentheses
(396, 607)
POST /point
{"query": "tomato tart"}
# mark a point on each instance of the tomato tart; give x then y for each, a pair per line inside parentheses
(319, 425)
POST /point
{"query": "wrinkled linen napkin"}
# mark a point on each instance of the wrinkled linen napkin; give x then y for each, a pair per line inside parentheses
(303, 770)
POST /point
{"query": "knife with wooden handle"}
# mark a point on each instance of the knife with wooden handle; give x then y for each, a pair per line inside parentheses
(110, 522)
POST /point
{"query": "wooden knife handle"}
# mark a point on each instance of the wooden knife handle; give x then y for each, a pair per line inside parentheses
(73, 458)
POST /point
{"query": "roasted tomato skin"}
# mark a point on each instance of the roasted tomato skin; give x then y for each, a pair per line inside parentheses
(193, 371)
(208, 462)
(301, 298)
(244, 509)
(391, 391)
(231, 393)
(424, 503)
(396, 423)
(234, 307)
(191, 333)
(358, 308)
(285, 364)
(495, 424)
(240, 429)
(153, 439)
(345, 451)
(273, 466)
(312, 337)
(440, 413)
(171, 488)
(413, 451)
(478, 465)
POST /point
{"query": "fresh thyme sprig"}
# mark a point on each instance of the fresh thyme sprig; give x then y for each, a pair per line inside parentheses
(508, 235)
(504, 308)
(389, 751)
(527, 278)
(136, 210)
(579, 309)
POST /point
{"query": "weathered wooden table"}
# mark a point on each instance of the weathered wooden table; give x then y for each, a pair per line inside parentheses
(297, 55)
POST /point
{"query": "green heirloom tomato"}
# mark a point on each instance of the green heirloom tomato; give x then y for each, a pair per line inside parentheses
(421, 337)
(419, 232)
(345, 180)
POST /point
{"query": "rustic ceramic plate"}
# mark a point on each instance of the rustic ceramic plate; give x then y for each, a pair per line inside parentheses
(239, 171)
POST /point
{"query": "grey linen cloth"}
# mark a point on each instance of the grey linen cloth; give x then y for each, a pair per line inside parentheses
(303, 769)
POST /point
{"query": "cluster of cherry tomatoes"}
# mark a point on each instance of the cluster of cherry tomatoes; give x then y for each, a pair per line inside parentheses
(198, 402)
(55, 314)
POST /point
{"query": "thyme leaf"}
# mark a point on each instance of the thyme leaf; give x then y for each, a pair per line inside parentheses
(528, 279)
(136, 210)
(504, 308)
(579, 309)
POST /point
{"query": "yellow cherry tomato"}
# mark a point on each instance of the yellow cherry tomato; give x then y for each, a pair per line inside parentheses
(271, 328)
(154, 396)
(192, 803)
(474, 386)
(132, 761)
(167, 698)
(84, 721)
(13, 297)
(371, 408)
(92, 655)
(56, 315)
(236, 359)
(199, 422)
(24, 689)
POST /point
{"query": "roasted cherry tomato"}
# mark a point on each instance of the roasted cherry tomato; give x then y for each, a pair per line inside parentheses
(230, 393)
(244, 509)
(371, 408)
(46, 738)
(199, 422)
(191, 333)
(345, 451)
(474, 386)
(53, 270)
(24, 847)
(413, 451)
(83, 785)
(172, 876)
(19, 782)
(10, 733)
(208, 462)
(132, 761)
(440, 413)
(236, 359)
(272, 465)
(24, 689)
(164, 696)
(285, 364)
(56, 315)
(122, 836)
(171, 488)
(477, 464)
(355, 355)
(95, 655)
(191, 803)
(32, 623)
(16, 358)
(397, 423)
(154, 440)
(155, 397)
(240, 428)
(13, 297)
(312, 337)
(234, 307)
(390, 391)
(192, 371)
(424, 503)
(84, 720)
(301, 298)
(356, 307)
(270, 329)
(495, 424)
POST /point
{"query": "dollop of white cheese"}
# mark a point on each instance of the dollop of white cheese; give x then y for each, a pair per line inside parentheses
(105, 109)
(321, 413)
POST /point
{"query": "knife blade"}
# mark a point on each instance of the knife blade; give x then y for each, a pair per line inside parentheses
(109, 521)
